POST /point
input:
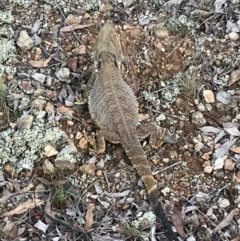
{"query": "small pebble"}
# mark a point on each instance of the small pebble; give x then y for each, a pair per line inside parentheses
(229, 165)
(218, 163)
(208, 169)
(50, 151)
(208, 96)
(223, 202)
(233, 36)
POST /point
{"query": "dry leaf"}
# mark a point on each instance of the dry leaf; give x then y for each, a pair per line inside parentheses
(225, 222)
(235, 149)
(40, 63)
(234, 77)
(63, 109)
(48, 211)
(24, 207)
(176, 218)
(237, 238)
(73, 27)
(89, 216)
(79, 50)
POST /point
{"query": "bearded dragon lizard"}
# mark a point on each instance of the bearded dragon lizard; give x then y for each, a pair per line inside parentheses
(113, 107)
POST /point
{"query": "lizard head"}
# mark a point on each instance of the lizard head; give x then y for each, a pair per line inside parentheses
(108, 42)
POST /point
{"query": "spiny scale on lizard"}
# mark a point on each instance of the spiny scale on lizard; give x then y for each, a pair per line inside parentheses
(113, 106)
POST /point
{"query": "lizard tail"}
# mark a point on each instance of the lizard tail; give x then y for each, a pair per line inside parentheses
(139, 161)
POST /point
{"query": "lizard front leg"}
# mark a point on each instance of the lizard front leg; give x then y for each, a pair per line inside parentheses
(157, 135)
(88, 88)
(98, 143)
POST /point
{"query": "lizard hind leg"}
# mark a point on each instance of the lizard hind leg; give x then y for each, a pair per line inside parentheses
(155, 133)
(98, 143)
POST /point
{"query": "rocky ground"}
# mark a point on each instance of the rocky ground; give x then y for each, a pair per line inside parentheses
(181, 58)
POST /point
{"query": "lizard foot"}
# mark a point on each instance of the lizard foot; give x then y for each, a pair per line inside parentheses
(155, 132)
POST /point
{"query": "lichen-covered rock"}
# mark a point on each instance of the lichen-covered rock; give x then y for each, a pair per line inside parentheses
(23, 148)
(198, 119)
(66, 158)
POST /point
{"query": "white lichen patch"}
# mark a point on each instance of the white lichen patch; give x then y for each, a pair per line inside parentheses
(68, 153)
(7, 49)
(149, 218)
(24, 3)
(23, 148)
(6, 16)
(91, 5)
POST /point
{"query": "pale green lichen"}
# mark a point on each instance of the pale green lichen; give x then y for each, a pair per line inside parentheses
(6, 16)
(23, 148)
(24, 103)
(91, 5)
(67, 153)
(148, 217)
(7, 49)
(24, 3)
(6, 31)
(3, 93)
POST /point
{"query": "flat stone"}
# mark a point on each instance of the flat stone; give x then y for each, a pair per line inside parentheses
(208, 96)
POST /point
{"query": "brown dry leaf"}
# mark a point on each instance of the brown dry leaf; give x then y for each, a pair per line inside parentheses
(225, 222)
(40, 63)
(80, 49)
(48, 211)
(74, 27)
(176, 218)
(66, 111)
(72, 63)
(234, 77)
(24, 207)
(235, 149)
(237, 238)
(89, 216)
(63, 109)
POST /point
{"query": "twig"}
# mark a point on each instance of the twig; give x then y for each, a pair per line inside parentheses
(168, 115)
(166, 168)
(65, 19)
